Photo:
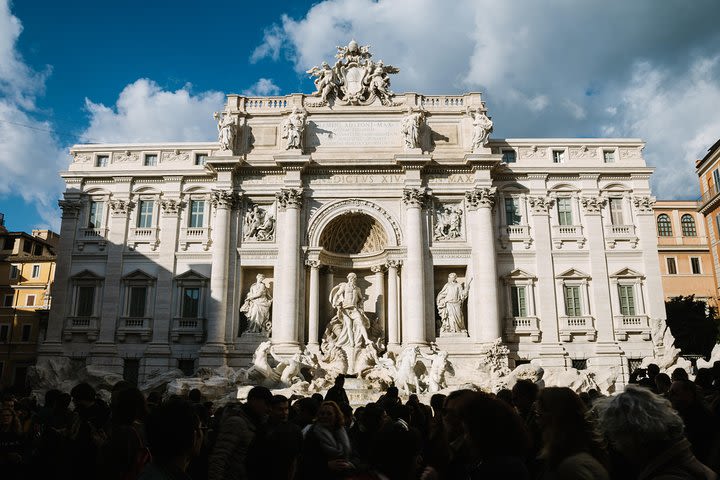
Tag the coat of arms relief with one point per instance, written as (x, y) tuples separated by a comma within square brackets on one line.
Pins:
[(355, 79)]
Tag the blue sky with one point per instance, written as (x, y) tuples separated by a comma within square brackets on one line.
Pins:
[(127, 71)]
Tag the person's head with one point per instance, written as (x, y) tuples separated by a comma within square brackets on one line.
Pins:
[(452, 278), (373, 417), (154, 399), (330, 416), (413, 400), (174, 431), (63, 402), (703, 378), (452, 413), (347, 413), (83, 395), (258, 401), (51, 397), (679, 374), (436, 402), (129, 406), (505, 395), (396, 453), (9, 420), (566, 428), (352, 278), (305, 410), (683, 394), (639, 424), (652, 371), (399, 412), (279, 409), (195, 395), (318, 398), (340, 381), (662, 383), (493, 427), (524, 395), (392, 393)]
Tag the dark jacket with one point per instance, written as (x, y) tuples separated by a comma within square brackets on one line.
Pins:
[(676, 463)]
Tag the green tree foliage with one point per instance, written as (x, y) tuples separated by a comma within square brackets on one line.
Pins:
[(693, 323)]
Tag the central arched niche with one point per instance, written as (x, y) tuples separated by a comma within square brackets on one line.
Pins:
[(353, 233)]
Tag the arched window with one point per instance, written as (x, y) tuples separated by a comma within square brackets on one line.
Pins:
[(688, 226), (664, 226)]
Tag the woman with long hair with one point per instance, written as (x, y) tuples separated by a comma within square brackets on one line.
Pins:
[(571, 447), (326, 450)]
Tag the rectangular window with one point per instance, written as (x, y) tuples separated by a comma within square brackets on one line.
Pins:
[(38, 249), (579, 363), (4, 333), (187, 366), (95, 215), (145, 214), (85, 301), (36, 271), (716, 180), (572, 301), (201, 159), (519, 302), (136, 301), (627, 299), (609, 156), (131, 370), (102, 161), (671, 266), (9, 243), (616, 211), (197, 213), (14, 272), (512, 211), (190, 302), (558, 156), (30, 300), (509, 156), (27, 246), (150, 160), (8, 300), (26, 330), (564, 209), (695, 265)]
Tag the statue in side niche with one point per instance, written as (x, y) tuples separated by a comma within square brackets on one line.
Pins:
[(227, 130), (293, 128), (257, 307), (449, 304), (482, 128)]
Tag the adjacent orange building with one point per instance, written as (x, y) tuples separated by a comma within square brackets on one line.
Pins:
[(686, 265), (27, 270), (708, 170)]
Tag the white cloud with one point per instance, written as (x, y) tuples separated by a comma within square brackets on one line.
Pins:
[(264, 86), (554, 68), (144, 112)]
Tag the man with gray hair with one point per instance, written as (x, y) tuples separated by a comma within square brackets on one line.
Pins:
[(643, 428)]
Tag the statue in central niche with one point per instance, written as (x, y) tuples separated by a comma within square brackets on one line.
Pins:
[(449, 303), (349, 327)]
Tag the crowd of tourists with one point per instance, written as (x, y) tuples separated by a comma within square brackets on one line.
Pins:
[(659, 427)]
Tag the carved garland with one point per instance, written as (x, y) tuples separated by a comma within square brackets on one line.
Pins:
[(320, 218)]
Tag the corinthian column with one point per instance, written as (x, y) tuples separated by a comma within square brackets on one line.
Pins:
[(485, 325), (314, 302), (286, 331), (413, 290), (392, 309), (212, 353)]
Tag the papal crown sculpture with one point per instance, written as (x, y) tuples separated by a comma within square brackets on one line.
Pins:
[(354, 79)]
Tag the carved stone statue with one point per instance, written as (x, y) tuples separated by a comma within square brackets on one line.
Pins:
[(482, 127), (439, 365), (293, 128), (448, 223), (406, 378), (259, 224), (410, 127), (449, 304), (349, 326), (325, 83), (257, 307), (227, 130)]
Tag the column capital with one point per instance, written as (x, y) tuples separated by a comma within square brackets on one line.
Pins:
[(120, 207), (377, 268), (290, 197), (541, 205), (644, 204), (224, 198), (314, 264), (394, 264), (592, 205), (415, 197), (171, 206), (70, 208), (480, 198)]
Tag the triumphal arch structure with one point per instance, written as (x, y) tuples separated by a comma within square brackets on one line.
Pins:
[(354, 217)]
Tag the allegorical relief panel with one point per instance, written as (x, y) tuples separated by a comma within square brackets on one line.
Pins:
[(259, 223), (448, 222)]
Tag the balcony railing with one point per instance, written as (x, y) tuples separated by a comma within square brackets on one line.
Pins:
[(199, 235), (515, 233), (625, 324), (141, 326), (139, 235), (516, 326), (567, 233), (577, 325), (89, 326), (93, 233), (183, 326), (615, 233)]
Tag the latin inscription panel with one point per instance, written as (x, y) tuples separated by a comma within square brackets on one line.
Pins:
[(353, 134)]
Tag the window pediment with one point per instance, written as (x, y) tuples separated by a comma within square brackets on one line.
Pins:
[(191, 275), (627, 273), (138, 275), (87, 275), (573, 274), (519, 274)]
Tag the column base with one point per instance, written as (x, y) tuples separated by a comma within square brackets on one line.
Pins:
[(553, 355), (287, 348)]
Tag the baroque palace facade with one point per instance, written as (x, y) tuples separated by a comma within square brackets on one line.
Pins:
[(190, 254)]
